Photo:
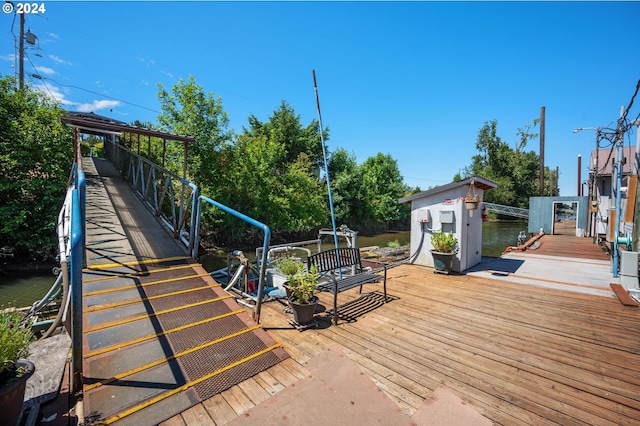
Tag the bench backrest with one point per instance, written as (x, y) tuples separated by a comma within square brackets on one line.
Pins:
[(328, 261)]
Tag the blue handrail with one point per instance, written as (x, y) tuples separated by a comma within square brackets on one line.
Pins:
[(253, 222), (77, 256)]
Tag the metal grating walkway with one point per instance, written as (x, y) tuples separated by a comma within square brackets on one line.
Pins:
[(160, 335)]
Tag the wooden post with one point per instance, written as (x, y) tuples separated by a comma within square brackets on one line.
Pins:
[(579, 175)]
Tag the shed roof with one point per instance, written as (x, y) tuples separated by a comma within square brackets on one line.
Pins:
[(478, 181)]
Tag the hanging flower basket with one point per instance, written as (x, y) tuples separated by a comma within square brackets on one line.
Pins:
[(472, 200), (471, 204)]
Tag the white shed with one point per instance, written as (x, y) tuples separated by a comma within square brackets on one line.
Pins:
[(443, 208)]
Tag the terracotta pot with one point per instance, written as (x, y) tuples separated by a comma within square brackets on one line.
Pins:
[(12, 395)]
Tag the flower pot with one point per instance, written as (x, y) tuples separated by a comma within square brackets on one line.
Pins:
[(442, 262), (287, 289), (12, 395), (471, 205), (303, 312)]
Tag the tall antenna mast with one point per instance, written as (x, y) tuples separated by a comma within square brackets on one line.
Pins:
[(326, 170)]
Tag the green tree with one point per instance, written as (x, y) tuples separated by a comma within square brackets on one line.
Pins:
[(36, 153), (384, 186), (273, 178), (189, 111), (285, 127), (350, 202), (514, 170)]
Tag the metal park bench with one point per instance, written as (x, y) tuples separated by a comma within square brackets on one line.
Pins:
[(327, 263)]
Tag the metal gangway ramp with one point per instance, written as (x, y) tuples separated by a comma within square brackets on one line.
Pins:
[(159, 334), (507, 210)]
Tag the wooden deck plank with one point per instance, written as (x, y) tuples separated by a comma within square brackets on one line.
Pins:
[(519, 354), (237, 399), (471, 363), (269, 383), (197, 416), (219, 409), (254, 391), (174, 421)]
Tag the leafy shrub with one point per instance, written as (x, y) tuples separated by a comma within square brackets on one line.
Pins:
[(15, 337)]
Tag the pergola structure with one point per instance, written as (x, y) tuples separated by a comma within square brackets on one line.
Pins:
[(94, 124)]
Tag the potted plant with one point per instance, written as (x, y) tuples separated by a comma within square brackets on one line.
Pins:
[(15, 337), (445, 246), (288, 266), (302, 285), (472, 200)]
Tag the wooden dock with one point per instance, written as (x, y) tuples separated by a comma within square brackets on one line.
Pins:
[(517, 354)]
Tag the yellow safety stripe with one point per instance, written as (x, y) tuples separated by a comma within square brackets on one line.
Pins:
[(187, 386), (162, 360), (136, 262), (143, 316), (162, 333), (145, 299), (138, 274), (150, 283)]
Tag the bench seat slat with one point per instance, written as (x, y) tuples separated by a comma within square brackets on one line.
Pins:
[(349, 282)]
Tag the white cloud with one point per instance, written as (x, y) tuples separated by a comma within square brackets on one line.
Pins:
[(59, 60), (167, 73), (10, 57), (55, 93), (97, 105), (53, 35), (45, 70)]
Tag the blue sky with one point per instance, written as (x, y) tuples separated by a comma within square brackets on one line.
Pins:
[(415, 80)]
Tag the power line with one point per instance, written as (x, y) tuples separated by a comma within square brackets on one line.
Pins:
[(100, 94)]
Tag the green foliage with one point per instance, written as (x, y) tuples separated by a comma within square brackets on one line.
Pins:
[(384, 186), (272, 170), (444, 242), (189, 111), (350, 202), (85, 149), (515, 171), (15, 338), (289, 266), (98, 150), (285, 128), (261, 184), (36, 152), (393, 244), (303, 283)]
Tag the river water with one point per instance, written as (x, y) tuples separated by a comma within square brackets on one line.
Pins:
[(24, 289)]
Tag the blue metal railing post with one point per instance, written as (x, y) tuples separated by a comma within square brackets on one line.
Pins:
[(265, 244), (76, 289), (82, 188), (195, 222)]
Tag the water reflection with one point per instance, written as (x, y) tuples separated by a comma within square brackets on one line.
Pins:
[(497, 236), (23, 290)]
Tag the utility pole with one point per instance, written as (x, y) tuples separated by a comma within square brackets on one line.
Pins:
[(21, 54), (579, 175)]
